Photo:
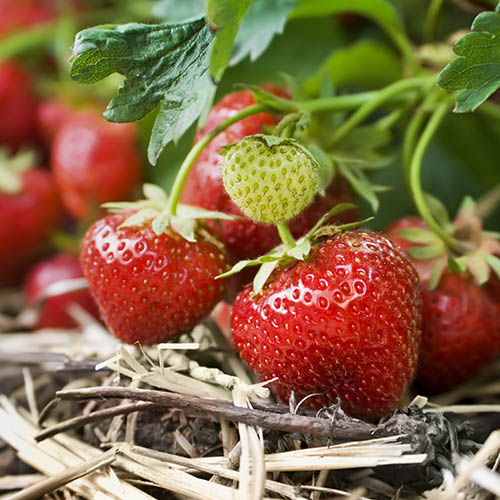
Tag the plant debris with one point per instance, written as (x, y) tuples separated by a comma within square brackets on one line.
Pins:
[(186, 420)]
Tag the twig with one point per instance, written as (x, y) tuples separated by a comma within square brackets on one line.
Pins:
[(75, 423), (53, 483), (211, 408)]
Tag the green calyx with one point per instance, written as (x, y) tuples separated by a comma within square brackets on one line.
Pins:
[(155, 210), (478, 250), (12, 168), (285, 254), (269, 178)]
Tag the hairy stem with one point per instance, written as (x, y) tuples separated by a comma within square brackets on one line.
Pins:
[(188, 162), (415, 171), (285, 234), (382, 96)]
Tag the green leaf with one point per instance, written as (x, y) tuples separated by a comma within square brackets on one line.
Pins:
[(337, 209), (458, 265), (436, 273), (301, 250), (185, 227), (438, 210), (140, 217), (365, 64), (153, 192), (426, 252), (263, 275), (478, 267), (191, 212), (327, 167), (263, 21), (494, 263), (380, 11), (161, 222), (476, 70), (264, 97), (224, 17), (360, 184), (418, 235), (173, 11), (165, 64)]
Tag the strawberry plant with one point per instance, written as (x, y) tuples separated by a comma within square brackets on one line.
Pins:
[(271, 155), (335, 117), (276, 140)]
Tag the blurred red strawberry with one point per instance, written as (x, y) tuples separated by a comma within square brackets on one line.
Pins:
[(54, 311), (18, 106)]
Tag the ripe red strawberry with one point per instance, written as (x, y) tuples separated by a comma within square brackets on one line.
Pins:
[(17, 106), (245, 239), (150, 287), (26, 219), (54, 311), (94, 162), (461, 325), (461, 333), (343, 323)]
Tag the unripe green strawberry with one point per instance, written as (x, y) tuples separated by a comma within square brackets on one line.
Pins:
[(270, 179)]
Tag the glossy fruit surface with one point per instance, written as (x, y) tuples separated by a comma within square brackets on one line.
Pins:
[(18, 107), (344, 323), (150, 287), (461, 324), (461, 333), (94, 162), (54, 311), (26, 219), (244, 238)]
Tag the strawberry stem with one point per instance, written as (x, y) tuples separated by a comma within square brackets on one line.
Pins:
[(285, 235), (382, 96), (180, 179), (415, 173), (414, 128)]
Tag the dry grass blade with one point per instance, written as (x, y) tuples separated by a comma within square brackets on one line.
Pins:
[(158, 458), (53, 457), (18, 482), (63, 478), (485, 455)]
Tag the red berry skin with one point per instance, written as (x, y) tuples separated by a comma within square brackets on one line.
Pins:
[(51, 115), (461, 321), (245, 239), (17, 15), (94, 162), (461, 333), (344, 323), (148, 287), (54, 311), (26, 220), (18, 106)]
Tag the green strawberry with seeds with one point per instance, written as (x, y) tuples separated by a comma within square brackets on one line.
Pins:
[(269, 178)]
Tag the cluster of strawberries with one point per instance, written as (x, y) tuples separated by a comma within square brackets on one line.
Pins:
[(90, 161), (351, 319), (334, 312)]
